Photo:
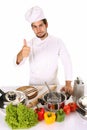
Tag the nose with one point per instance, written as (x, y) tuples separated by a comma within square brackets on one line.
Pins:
[(38, 29)]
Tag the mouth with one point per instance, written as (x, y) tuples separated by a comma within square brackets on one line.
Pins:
[(40, 33)]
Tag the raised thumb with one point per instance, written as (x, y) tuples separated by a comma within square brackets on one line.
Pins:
[(25, 42)]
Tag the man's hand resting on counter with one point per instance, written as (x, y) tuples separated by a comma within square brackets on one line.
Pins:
[(67, 88)]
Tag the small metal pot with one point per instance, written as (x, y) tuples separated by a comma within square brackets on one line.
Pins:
[(81, 108), (14, 97), (54, 103)]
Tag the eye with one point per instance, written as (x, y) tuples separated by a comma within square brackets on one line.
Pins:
[(41, 25), (34, 27)]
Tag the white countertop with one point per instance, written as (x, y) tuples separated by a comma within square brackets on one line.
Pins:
[(73, 121)]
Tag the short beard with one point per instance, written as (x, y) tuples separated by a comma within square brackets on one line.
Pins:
[(42, 35)]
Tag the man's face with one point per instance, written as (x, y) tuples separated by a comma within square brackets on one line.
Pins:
[(40, 29)]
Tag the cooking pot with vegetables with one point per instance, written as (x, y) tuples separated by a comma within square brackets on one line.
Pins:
[(55, 101), (14, 97)]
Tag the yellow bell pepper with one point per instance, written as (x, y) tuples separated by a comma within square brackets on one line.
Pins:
[(49, 117)]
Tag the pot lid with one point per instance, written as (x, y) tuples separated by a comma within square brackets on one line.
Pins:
[(82, 102)]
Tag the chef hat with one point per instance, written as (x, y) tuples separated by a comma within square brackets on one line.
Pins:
[(34, 14)]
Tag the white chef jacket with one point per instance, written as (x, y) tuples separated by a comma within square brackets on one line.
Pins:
[(43, 60)]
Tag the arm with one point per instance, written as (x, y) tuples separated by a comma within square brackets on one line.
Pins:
[(66, 61), (23, 53), (19, 57)]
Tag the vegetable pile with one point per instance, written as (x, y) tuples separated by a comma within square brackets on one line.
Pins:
[(20, 116)]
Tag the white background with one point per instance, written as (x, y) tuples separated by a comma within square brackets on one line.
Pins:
[(67, 20)]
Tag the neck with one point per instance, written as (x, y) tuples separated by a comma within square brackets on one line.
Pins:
[(44, 36)]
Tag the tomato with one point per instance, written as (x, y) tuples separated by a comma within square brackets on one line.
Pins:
[(73, 106), (66, 109), (40, 112)]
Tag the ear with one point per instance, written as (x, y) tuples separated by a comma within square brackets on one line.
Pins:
[(46, 25)]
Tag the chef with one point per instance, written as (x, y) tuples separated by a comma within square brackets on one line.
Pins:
[(44, 51)]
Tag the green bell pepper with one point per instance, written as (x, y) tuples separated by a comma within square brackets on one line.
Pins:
[(60, 115)]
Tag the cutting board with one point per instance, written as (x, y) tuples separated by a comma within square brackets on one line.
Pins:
[(30, 91)]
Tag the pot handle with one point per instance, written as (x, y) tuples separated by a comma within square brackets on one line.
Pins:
[(41, 101), (1, 92), (81, 111), (67, 95)]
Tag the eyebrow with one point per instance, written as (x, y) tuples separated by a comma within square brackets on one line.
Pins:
[(37, 25)]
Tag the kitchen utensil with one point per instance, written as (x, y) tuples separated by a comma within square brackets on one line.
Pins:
[(82, 108), (54, 105), (52, 97), (42, 92), (78, 89), (30, 91), (50, 93), (14, 97)]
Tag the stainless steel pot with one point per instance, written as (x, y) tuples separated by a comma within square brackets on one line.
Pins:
[(55, 102), (14, 97), (82, 107)]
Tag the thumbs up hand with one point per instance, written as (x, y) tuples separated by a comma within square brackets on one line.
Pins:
[(25, 50), (25, 42)]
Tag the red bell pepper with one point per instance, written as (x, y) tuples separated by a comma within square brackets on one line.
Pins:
[(40, 112)]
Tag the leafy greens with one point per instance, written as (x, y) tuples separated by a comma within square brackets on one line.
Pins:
[(20, 116)]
